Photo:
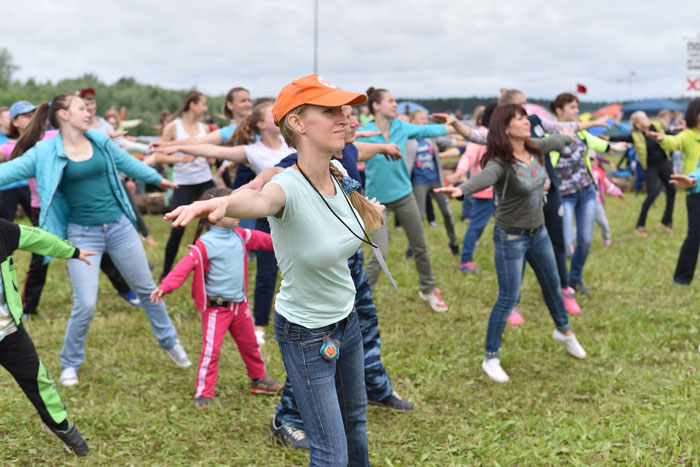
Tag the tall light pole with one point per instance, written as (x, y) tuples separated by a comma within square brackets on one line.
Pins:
[(315, 36)]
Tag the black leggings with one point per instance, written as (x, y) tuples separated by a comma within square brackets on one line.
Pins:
[(655, 176), (9, 199), (186, 194), (688, 257), (19, 357)]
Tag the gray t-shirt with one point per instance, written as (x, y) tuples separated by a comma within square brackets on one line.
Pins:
[(518, 188)]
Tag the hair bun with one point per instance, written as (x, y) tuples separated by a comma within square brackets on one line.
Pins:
[(370, 90)]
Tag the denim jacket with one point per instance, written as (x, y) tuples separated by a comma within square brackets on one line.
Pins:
[(47, 160)]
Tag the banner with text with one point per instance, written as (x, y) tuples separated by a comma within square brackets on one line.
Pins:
[(692, 69)]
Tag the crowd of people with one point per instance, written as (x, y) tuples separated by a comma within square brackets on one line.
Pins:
[(304, 180)]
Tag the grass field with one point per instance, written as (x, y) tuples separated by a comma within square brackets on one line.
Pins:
[(634, 400)]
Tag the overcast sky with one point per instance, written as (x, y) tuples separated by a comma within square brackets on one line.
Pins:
[(415, 48)]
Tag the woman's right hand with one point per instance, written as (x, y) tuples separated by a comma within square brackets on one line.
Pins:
[(84, 256), (169, 149), (452, 191), (156, 295), (213, 209), (658, 137)]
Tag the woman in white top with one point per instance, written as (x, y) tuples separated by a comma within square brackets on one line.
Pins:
[(315, 229), (258, 143), (192, 178)]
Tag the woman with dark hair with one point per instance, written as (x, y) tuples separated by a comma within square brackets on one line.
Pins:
[(83, 200), (20, 114), (192, 178), (573, 166), (687, 141), (514, 165)]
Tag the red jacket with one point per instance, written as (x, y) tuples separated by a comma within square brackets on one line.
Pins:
[(199, 261)]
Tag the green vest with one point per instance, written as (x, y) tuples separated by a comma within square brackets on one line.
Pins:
[(640, 144)]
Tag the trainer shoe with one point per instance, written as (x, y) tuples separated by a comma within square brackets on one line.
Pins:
[(288, 435), (607, 242), (393, 402), (260, 337), (641, 232), (454, 248), (434, 224), (131, 297), (409, 253), (202, 403), (494, 371), (668, 228), (69, 377), (468, 267), (515, 318), (568, 295), (571, 344), (72, 440), (179, 356), (265, 385), (435, 300), (582, 289)]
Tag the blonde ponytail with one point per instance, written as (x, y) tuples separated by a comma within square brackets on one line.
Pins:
[(369, 215)]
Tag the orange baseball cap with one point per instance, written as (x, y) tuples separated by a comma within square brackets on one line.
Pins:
[(315, 90)]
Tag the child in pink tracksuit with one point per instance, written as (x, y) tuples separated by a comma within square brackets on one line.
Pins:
[(220, 292), (603, 187)]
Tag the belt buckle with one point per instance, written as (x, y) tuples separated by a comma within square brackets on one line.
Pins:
[(533, 231)]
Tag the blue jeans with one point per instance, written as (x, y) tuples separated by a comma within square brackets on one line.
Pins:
[(482, 210), (377, 382), (582, 205), (122, 242), (265, 279), (331, 395), (510, 254), (466, 208)]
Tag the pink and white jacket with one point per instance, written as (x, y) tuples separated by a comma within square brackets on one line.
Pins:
[(471, 161), (198, 260), (603, 185)]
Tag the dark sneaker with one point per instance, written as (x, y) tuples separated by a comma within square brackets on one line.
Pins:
[(203, 403), (289, 436), (409, 253), (580, 288), (131, 297), (265, 385), (393, 402), (72, 440), (454, 248)]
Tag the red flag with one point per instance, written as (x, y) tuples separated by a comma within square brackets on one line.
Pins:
[(581, 89), (633, 74)]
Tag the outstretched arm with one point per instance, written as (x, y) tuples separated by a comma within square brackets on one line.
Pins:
[(244, 204), (212, 138), (366, 151), (230, 153)]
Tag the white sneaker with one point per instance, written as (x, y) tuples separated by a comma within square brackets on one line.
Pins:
[(571, 344), (260, 336), (494, 371), (179, 356), (435, 300), (69, 377)]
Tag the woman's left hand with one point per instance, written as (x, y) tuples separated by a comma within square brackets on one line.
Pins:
[(683, 181), (442, 118), (451, 191), (379, 207), (166, 184), (212, 209)]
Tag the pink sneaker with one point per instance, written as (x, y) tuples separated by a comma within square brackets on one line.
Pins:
[(570, 301), (607, 242), (435, 300), (514, 317)]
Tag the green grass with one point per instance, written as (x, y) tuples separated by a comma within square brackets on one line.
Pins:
[(634, 400)]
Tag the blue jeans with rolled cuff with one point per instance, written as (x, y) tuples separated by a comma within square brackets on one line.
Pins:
[(511, 251), (580, 204)]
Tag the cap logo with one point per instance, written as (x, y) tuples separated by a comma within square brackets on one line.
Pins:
[(325, 82)]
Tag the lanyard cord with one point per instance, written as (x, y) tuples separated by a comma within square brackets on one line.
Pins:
[(366, 238)]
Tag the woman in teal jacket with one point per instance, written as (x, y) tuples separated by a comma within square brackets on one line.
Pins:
[(83, 200), (390, 183)]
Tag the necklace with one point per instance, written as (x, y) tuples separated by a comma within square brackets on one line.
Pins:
[(364, 239)]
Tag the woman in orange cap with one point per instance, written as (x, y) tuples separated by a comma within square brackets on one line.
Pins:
[(317, 222)]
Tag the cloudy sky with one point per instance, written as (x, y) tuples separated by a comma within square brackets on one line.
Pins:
[(415, 48)]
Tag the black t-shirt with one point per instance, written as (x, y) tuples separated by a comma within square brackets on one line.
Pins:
[(349, 161)]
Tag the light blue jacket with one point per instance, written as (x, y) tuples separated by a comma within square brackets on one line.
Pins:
[(389, 181), (46, 162)]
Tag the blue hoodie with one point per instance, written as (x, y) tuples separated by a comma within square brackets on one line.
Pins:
[(46, 162), (389, 181)]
